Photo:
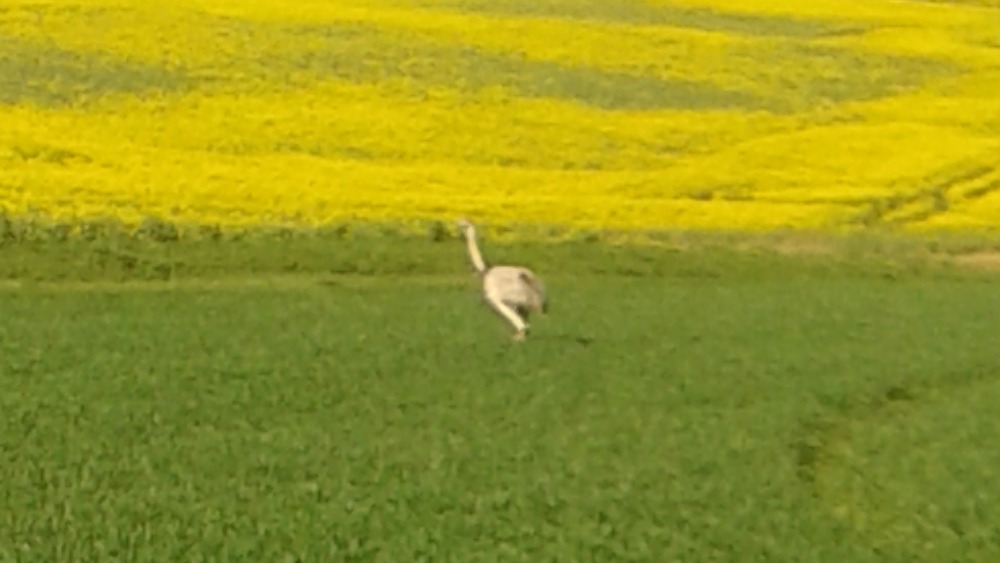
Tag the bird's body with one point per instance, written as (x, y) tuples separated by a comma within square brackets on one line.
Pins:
[(517, 286), (512, 291)]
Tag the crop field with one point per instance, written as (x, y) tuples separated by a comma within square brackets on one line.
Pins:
[(238, 326), (815, 114), (734, 408)]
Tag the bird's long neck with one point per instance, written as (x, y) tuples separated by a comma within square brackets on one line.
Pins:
[(474, 254)]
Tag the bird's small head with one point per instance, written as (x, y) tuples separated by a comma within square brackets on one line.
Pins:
[(464, 225)]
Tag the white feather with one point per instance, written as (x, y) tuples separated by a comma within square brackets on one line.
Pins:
[(513, 291)]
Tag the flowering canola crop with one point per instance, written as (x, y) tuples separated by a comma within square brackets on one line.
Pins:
[(584, 114)]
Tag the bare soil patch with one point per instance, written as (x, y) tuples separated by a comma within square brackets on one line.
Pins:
[(986, 260)]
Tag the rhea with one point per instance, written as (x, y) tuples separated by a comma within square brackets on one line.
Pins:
[(512, 291)]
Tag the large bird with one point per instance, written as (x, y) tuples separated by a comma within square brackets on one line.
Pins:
[(512, 291)]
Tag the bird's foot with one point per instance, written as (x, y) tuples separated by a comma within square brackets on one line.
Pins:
[(519, 335)]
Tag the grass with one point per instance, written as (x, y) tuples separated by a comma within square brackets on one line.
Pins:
[(39, 250), (694, 405)]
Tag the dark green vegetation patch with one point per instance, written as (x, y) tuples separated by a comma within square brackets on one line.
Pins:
[(367, 54), (636, 12), (46, 75), (818, 74), (795, 74)]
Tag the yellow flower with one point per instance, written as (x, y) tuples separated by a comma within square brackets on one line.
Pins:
[(805, 114)]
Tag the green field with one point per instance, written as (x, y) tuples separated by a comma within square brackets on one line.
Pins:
[(696, 405)]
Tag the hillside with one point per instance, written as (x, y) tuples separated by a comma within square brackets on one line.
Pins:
[(577, 113)]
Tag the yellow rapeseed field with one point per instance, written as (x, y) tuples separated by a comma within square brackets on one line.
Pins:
[(637, 114)]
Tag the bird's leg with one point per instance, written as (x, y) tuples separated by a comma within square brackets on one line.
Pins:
[(519, 325)]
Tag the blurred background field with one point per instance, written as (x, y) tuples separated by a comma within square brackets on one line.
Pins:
[(625, 115)]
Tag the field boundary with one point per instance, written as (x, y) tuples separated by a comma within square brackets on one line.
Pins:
[(277, 282), (160, 255), (987, 262)]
